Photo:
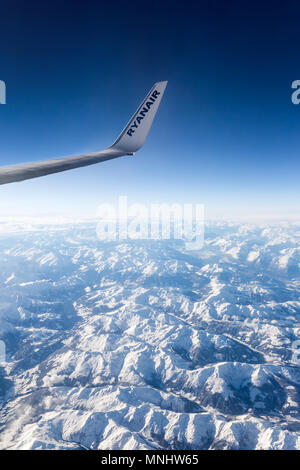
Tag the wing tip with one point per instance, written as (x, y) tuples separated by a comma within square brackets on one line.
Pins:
[(162, 82)]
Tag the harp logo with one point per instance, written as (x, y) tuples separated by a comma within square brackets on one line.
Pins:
[(142, 113), (2, 92)]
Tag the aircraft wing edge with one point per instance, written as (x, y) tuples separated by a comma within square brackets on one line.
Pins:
[(24, 171)]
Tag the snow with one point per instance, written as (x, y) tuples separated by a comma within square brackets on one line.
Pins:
[(143, 345)]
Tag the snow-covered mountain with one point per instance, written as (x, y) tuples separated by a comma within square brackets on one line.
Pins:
[(144, 345)]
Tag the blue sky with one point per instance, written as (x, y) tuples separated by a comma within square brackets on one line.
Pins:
[(226, 135)]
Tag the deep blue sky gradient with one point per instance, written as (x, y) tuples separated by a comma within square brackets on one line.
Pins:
[(226, 134)]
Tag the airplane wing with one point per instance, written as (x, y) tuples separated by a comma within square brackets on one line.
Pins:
[(129, 141)]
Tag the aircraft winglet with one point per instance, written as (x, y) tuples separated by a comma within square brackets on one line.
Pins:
[(132, 138)]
